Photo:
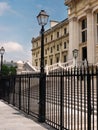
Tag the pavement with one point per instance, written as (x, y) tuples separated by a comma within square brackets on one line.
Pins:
[(13, 119)]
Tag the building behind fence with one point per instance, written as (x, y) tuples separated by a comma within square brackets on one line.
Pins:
[(71, 97)]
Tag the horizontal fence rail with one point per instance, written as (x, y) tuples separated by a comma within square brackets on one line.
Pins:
[(23, 92), (71, 97)]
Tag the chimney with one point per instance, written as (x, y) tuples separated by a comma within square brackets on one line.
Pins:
[(53, 23)]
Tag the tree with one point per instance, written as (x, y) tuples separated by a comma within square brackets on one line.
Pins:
[(8, 70)]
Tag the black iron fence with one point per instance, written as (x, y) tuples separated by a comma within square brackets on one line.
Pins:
[(71, 97), (23, 92)]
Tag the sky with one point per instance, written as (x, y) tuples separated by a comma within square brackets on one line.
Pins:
[(18, 24)]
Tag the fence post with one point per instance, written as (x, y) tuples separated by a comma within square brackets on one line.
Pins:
[(89, 98), (42, 97), (14, 91), (8, 91), (29, 96), (19, 93), (62, 102)]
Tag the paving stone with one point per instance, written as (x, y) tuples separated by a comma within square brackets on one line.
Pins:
[(12, 119)]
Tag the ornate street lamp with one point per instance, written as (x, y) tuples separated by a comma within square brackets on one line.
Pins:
[(2, 50), (75, 55), (42, 20)]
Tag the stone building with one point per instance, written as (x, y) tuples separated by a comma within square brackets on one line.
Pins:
[(79, 31), (83, 29), (56, 41)]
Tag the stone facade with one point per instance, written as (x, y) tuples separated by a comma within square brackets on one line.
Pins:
[(83, 29), (56, 42), (79, 31)]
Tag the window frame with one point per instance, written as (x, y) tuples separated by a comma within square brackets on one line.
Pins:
[(58, 34), (65, 57), (51, 49), (65, 31), (65, 45), (58, 48), (51, 61), (84, 30), (57, 59)]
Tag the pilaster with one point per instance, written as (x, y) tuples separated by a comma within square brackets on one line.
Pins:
[(73, 36), (90, 37)]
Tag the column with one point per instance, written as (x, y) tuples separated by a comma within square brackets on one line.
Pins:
[(73, 36), (90, 37)]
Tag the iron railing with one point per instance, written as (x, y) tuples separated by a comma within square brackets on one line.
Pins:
[(23, 92), (71, 97)]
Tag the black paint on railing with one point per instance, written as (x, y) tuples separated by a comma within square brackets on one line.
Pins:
[(68, 99)]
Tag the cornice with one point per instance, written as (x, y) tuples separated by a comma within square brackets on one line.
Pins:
[(68, 2), (59, 25), (88, 9), (74, 18)]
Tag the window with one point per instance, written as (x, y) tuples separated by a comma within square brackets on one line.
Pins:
[(84, 23), (51, 50), (37, 44), (45, 62), (57, 59), (57, 47), (57, 34), (51, 37), (46, 52), (84, 30), (65, 31), (64, 45), (36, 63), (36, 54), (65, 58), (51, 61), (46, 39)]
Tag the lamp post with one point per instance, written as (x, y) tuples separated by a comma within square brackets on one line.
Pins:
[(75, 55), (2, 50), (42, 20)]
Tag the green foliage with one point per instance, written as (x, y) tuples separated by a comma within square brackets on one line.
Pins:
[(8, 70), (12, 70), (5, 70)]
